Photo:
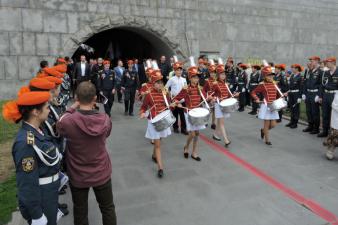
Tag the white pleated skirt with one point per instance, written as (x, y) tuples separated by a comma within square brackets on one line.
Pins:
[(219, 113), (191, 127), (153, 134), (266, 114)]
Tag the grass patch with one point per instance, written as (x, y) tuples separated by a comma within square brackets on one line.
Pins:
[(8, 199), (7, 130)]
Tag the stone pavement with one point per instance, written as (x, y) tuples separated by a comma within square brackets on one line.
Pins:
[(216, 190)]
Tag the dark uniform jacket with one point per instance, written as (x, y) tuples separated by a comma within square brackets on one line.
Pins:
[(107, 80), (295, 83), (329, 82), (130, 83), (312, 80)]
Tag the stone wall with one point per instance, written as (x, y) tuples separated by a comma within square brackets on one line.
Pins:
[(278, 30)]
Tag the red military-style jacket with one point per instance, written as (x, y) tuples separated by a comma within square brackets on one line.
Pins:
[(221, 90), (268, 90), (154, 101), (145, 88), (191, 95), (207, 88)]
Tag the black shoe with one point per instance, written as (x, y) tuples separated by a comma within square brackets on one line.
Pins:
[(196, 158), (262, 133), (323, 134), (62, 206), (213, 126), (176, 131), (215, 138), (131, 114), (186, 154), (227, 144), (315, 131), (293, 126), (154, 159), (308, 129), (126, 113), (279, 121), (184, 132), (252, 113), (240, 109), (288, 125), (268, 143), (160, 173)]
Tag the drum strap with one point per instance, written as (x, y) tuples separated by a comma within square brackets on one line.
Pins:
[(165, 99), (205, 101)]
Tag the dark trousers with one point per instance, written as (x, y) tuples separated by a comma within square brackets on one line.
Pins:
[(179, 112), (326, 110), (104, 197), (109, 105), (118, 92), (242, 99), (294, 107), (247, 98), (312, 111), (129, 101)]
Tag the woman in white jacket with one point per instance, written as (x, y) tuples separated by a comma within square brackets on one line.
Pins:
[(332, 140)]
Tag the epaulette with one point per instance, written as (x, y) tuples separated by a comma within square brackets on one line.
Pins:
[(144, 84), (262, 82), (30, 138)]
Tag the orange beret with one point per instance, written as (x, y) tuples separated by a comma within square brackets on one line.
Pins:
[(55, 80), (266, 71), (42, 83), (220, 68), (62, 68), (243, 66), (317, 58), (280, 66), (61, 60), (330, 59), (297, 66), (177, 65), (33, 98), (53, 72), (10, 112), (130, 62), (105, 62), (41, 74), (192, 71), (23, 90)]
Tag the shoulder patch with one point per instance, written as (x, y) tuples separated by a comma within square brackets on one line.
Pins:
[(30, 138), (28, 164)]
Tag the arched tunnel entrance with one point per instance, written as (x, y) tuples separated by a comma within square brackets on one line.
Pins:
[(124, 43)]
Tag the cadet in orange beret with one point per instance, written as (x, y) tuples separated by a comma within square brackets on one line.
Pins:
[(36, 158), (255, 79)]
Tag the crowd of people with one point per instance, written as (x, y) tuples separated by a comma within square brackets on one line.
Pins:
[(60, 142)]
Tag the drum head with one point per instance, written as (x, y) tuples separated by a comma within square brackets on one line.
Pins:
[(198, 112), (228, 102), (160, 116)]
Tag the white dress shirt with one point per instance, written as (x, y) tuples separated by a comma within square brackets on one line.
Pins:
[(83, 69), (176, 84)]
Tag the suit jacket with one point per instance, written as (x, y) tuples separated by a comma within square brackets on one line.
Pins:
[(118, 75), (78, 72)]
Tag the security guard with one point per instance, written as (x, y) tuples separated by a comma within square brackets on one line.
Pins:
[(107, 86), (36, 158), (282, 83), (310, 90), (129, 86), (329, 84), (241, 81), (255, 79), (295, 94)]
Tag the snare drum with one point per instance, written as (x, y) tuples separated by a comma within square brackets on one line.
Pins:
[(228, 105), (163, 120), (198, 116), (278, 104)]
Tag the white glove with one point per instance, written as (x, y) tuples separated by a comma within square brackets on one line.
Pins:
[(299, 100), (231, 86), (243, 89), (59, 215), (317, 98), (303, 97), (41, 221)]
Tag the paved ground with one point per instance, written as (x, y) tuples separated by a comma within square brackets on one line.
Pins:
[(216, 190)]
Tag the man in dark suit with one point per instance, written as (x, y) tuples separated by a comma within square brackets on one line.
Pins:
[(82, 70), (165, 69), (139, 69)]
